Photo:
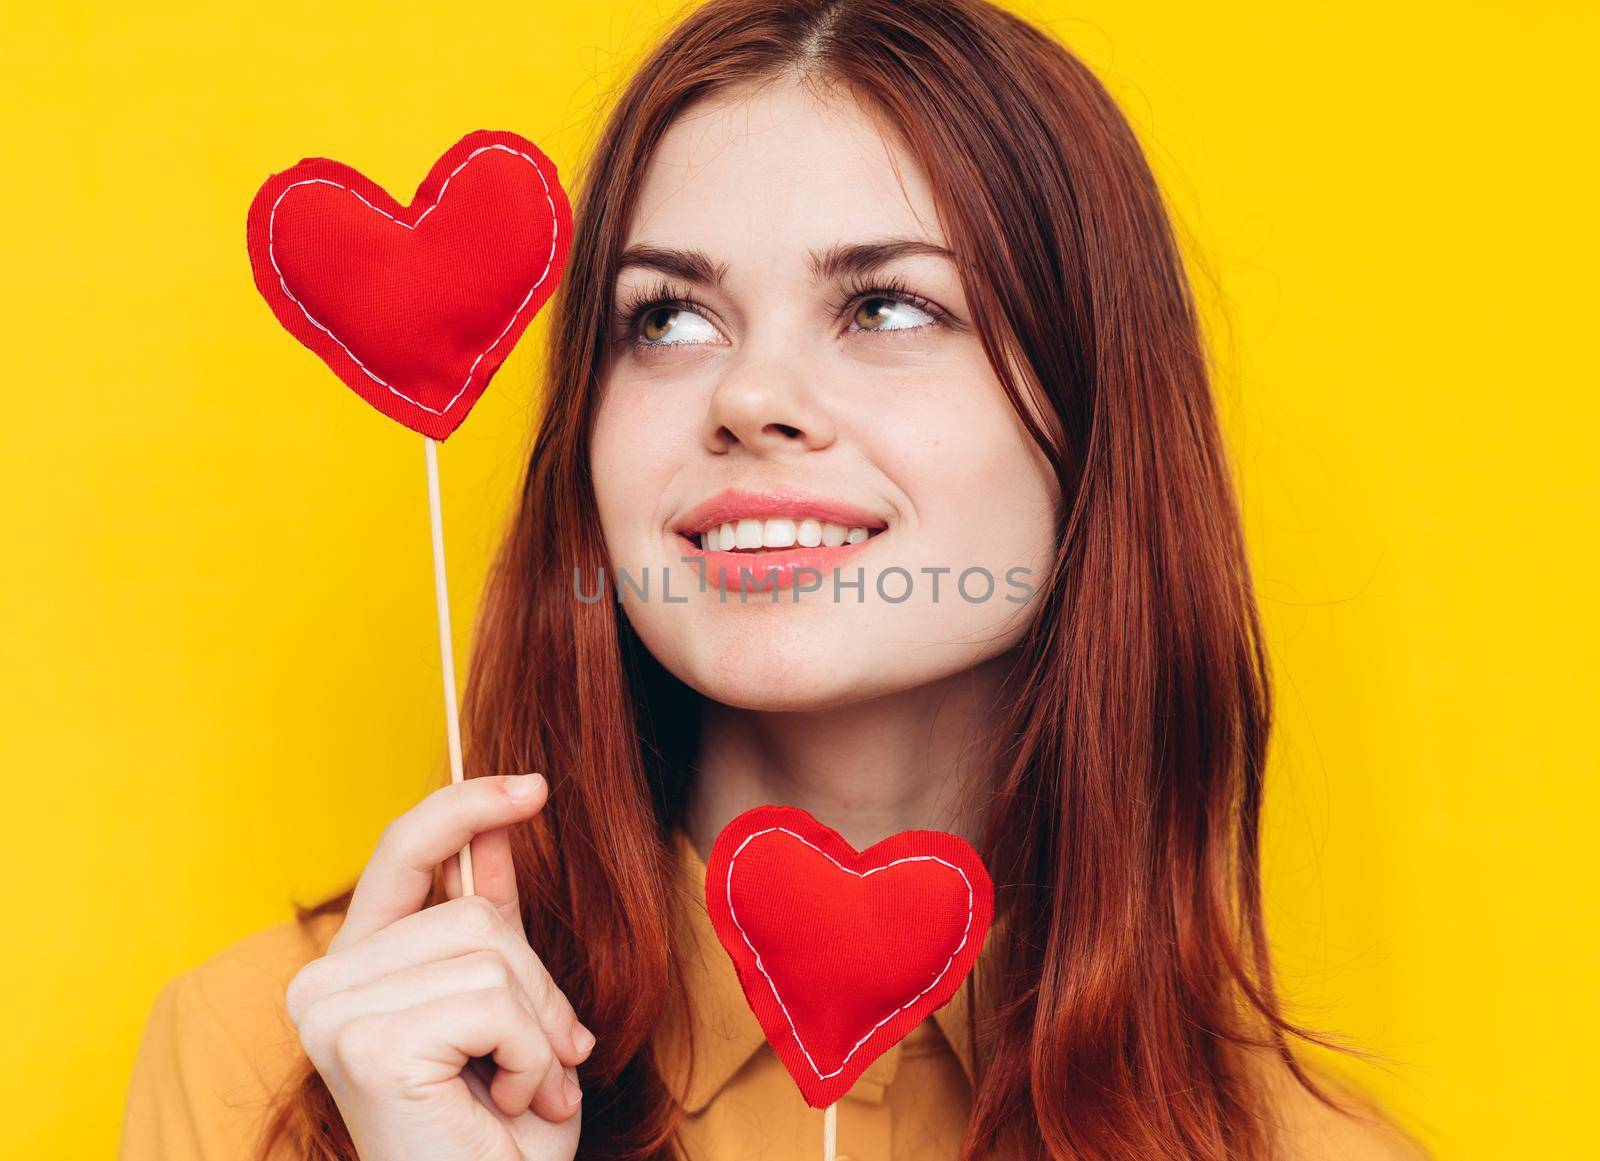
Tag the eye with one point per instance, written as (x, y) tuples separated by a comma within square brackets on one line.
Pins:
[(879, 313), (659, 317), (663, 326), (887, 305)]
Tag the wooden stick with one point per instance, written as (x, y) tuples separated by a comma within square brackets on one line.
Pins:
[(447, 656), (830, 1131)]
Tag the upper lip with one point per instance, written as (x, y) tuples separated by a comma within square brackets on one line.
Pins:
[(733, 504)]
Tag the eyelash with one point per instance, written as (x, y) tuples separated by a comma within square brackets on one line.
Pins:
[(630, 311)]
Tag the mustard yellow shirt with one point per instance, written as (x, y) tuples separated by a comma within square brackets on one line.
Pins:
[(218, 1046)]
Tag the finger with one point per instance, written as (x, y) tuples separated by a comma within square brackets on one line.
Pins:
[(399, 875), (320, 1021), (493, 874), (535, 1136), (555, 1098), (434, 1041), (457, 928)]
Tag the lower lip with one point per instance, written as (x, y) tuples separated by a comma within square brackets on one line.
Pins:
[(763, 571)]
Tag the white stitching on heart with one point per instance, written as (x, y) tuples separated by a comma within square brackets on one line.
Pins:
[(860, 875), (555, 227)]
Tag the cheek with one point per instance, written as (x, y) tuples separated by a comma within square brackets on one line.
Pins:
[(630, 458), (982, 492), (607, 451)]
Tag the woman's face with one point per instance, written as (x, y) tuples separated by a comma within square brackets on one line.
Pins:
[(796, 367)]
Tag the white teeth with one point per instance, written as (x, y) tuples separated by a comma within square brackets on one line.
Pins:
[(777, 533)]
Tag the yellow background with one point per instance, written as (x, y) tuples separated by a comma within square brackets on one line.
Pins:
[(220, 663)]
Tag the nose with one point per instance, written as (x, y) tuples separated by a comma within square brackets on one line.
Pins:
[(768, 410)]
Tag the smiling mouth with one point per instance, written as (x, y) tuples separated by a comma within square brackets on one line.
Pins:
[(756, 537)]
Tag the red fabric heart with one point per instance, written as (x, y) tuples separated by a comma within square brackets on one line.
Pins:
[(841, 953), (414, 307)]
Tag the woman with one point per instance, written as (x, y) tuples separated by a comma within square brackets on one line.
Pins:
[(891, 282)]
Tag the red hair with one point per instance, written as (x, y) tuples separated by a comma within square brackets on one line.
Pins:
[(1135, 993)]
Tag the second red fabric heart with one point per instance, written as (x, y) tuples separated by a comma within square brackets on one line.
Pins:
[(841, 953)]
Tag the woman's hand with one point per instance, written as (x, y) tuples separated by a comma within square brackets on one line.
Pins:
[(397, 1013)]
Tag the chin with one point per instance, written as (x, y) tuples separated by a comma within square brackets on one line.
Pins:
[(790, 658), (759, 675)]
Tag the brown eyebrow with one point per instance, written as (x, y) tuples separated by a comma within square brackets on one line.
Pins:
[(838, 261), (689, 265), (844, 260)]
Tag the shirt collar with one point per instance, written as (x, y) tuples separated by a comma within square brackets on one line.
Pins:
[(698, 1052)]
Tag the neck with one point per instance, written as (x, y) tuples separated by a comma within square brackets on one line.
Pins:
[(905, 761)]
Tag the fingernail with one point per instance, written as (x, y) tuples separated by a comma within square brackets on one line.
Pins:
[(574, 1093), (582, 1038), (521, 787)]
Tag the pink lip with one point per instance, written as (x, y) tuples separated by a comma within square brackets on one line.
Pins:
[(759, 572), (731, 504)]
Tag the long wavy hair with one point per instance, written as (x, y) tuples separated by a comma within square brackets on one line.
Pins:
[(1127, 772)]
